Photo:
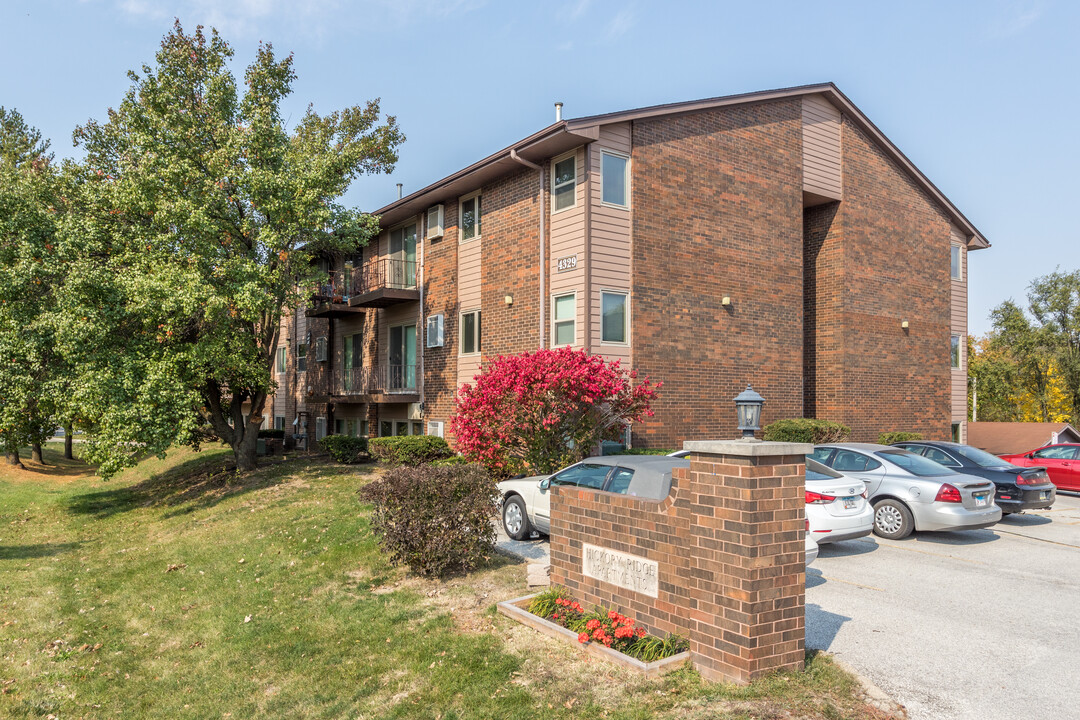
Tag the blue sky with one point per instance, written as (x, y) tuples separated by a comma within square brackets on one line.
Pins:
[(982, 96)]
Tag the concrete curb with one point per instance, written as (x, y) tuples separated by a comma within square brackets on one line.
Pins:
[(875, 696)]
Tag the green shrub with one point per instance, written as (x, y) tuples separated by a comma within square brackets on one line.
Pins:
[(807, 430), (275, 434), (640, 451), (888, 438), (450, 461), (409, 449), (434, 519), (346, 449)]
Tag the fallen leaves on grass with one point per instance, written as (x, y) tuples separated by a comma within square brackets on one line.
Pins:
[(174, 568)]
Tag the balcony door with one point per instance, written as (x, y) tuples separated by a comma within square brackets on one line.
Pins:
[(403, 257), (353, 361), (402, 357)]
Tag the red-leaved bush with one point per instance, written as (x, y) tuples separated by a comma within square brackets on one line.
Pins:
[(540, 411)]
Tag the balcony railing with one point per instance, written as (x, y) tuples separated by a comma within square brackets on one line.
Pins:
[(376, 379), (384, 274)]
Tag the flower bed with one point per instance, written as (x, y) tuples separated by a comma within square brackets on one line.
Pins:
[(605, 627)]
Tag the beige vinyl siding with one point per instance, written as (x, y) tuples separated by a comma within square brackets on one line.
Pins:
[(609, 244), (568, 238), (470, 256), (959, 311), (821, 147)]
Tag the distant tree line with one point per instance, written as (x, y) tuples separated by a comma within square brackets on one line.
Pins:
[(1028, 367), (142, 289)]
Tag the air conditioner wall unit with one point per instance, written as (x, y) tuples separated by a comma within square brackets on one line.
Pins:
[(435, 222)]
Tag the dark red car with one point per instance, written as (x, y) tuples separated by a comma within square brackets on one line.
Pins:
[(1062, 463)]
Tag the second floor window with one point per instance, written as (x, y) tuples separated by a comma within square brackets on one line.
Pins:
[(563, 184), (470, 218), (613, 320), (954, 265), (615, 179), (955, 350), (282, 358), (470, 332), (301, 357)]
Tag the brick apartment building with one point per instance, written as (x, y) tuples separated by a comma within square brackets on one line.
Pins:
[(776, 238)]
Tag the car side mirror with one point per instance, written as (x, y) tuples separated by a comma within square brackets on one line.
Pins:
[(1031, 456), (544, 484)]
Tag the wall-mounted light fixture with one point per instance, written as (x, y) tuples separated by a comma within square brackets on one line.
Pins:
[(509, 299), (904, 324), (725, 301)]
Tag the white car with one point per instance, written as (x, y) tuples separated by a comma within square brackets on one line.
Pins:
[(811, 546), (836, 505)]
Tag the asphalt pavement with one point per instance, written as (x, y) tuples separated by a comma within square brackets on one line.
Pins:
[(977, 624)]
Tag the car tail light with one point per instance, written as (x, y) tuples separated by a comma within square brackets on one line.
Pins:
[(807, 524), (948, 493), (1021, 480), (864, 494), (813, 498)]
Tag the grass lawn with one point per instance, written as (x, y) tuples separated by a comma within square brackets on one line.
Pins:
[(179, 590)]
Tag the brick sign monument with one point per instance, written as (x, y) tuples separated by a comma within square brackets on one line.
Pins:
[(721, 560)]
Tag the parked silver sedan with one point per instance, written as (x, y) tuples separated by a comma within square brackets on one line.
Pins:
[(910, 492)]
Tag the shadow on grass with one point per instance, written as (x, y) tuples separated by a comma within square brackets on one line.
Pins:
[(192, 485), (28, 552)]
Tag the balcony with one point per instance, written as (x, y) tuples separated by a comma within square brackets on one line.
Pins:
[(377, 383), (331, 299), (382, 283)]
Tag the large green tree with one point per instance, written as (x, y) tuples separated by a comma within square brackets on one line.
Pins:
[(205, 213), (29, 276)]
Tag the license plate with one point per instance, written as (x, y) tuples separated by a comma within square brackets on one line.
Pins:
[(849, 503), (982, 500)]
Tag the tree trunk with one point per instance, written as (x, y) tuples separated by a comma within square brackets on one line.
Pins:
[(67, 443), (245, 450), (35, 453), (13, 459)]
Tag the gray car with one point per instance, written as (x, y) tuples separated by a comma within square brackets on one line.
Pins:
[(910, 492), (527, 507)]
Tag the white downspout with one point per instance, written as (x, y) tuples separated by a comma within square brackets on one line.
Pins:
[(543, 264)]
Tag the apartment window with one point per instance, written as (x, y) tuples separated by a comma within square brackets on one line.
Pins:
[(956, 432), (435, 427), (282, 358), (470, 332), (320, 349), (386, 428), (955, 268), (564, 184), (564, 319), (418, 428), (434, 331), (320, 428), (955, 351), (613, 317), (339, 427), (615, 179), (470, 218), (401, 427), (363, 428), (279, 422), (301, 357)]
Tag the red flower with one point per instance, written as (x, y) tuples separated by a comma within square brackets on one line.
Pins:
[(592, 624), (583, 637), (612, 615), (641, 632)]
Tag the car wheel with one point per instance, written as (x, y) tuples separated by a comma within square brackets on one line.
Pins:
[(515, 519), (892, 520)]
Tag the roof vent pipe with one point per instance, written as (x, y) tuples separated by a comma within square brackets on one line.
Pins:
[(399, 191), (558, 112)]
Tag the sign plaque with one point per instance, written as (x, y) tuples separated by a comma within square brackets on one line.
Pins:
[(565, 264), (618, 568)]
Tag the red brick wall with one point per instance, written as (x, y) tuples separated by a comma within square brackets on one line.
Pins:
[(717, 210), (893, 265), (440, 296), (729, 542)]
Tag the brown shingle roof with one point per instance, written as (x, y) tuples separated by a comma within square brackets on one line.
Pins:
[(1008, 438)]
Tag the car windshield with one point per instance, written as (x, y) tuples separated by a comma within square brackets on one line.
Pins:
[(914, 464), (981, 457)]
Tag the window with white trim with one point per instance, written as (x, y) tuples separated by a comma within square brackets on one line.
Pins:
[(564, 183), (470, 218), (955, 351), (614, 179), (470, 332), (320, 428), (301, 357), (435, 427), (564, 319), (279, 422), (282, 358), (955, 266), (613, 317), (434, 334)]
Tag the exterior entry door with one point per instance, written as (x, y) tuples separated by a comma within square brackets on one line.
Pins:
[(403, 357), (403, 257)]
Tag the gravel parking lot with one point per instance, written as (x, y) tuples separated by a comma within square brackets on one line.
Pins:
[(979, 624)]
